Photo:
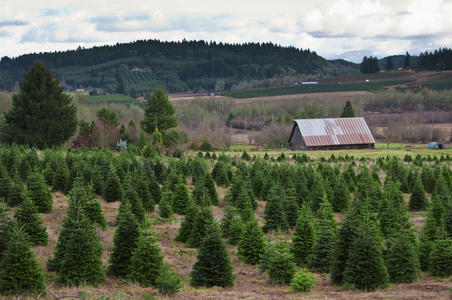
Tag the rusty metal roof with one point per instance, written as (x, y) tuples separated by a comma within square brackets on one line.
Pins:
[(339, 131)]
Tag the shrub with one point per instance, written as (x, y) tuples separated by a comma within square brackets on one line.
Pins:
[(167, 282), (205, 146), (302, 281)]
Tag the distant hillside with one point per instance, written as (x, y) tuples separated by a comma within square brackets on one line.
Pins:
[(139, 67), (398, 60)]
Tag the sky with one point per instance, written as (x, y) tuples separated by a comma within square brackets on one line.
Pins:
[(347, 29)]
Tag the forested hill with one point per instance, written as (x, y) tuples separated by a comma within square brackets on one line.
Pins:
[(139, 67)]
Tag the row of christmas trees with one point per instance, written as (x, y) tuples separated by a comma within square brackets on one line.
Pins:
[(301, 196)]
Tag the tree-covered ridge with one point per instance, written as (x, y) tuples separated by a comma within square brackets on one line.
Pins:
[(173, 66)]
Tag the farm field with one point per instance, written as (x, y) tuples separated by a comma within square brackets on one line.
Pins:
[(250, 282)]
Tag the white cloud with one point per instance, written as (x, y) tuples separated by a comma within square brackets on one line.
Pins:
[(329, 27)]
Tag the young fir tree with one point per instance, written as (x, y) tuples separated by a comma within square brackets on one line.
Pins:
[(147, 259), (124, 242), (236, 228), (112, 189), (5, 183), (341, 195), (274, 216), (211, 187), (15, 190), (19, 270), (392, 192), (141, 184), (188, 222), (84, 193), (39, 192), (304, 236), (154, 188), (280, 264), (213, 264), (317, 193), (165, 205), (131, 196), (402, 259), (28, 218), (430, 232), (321, 255), (418, 200), (441, 257), (365, 269), (348, 110), (6, 228), (290, 206), (202, 221), (181, 199), (358, 214), (229, 213), (251, 246), (81, 263)]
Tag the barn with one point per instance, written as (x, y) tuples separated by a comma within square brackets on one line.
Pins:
[(331, 134)]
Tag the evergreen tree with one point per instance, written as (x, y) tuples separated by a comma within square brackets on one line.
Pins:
[(229, 213), (15, 190), (187, 224), (142, 188), (365, 269), (39, 192), (112, 189), (5, 183), (124, 242), (290, 206), (389, 64), (304, 236), (154, 188), (213, 264), (359, 213), (82, 263), (6, 228), (131, 196), (281, 267), (235, 231), (317, 193), (418, 200), (341, 195), (251, 246), (41, 115), (402, 260), (441, 257), (202, 221), (147, 259), (19, 269), (348, 110), (211, 188), (321, 255), (159, 113), (84, 193), (181, 199), (165, 206), (274, 216), (28, 218)]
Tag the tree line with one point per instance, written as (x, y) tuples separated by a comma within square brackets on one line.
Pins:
[(179, 66)]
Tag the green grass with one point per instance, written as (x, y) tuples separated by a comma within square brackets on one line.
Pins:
[(318, 88)]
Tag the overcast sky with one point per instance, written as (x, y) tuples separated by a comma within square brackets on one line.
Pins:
[(346, 29)]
